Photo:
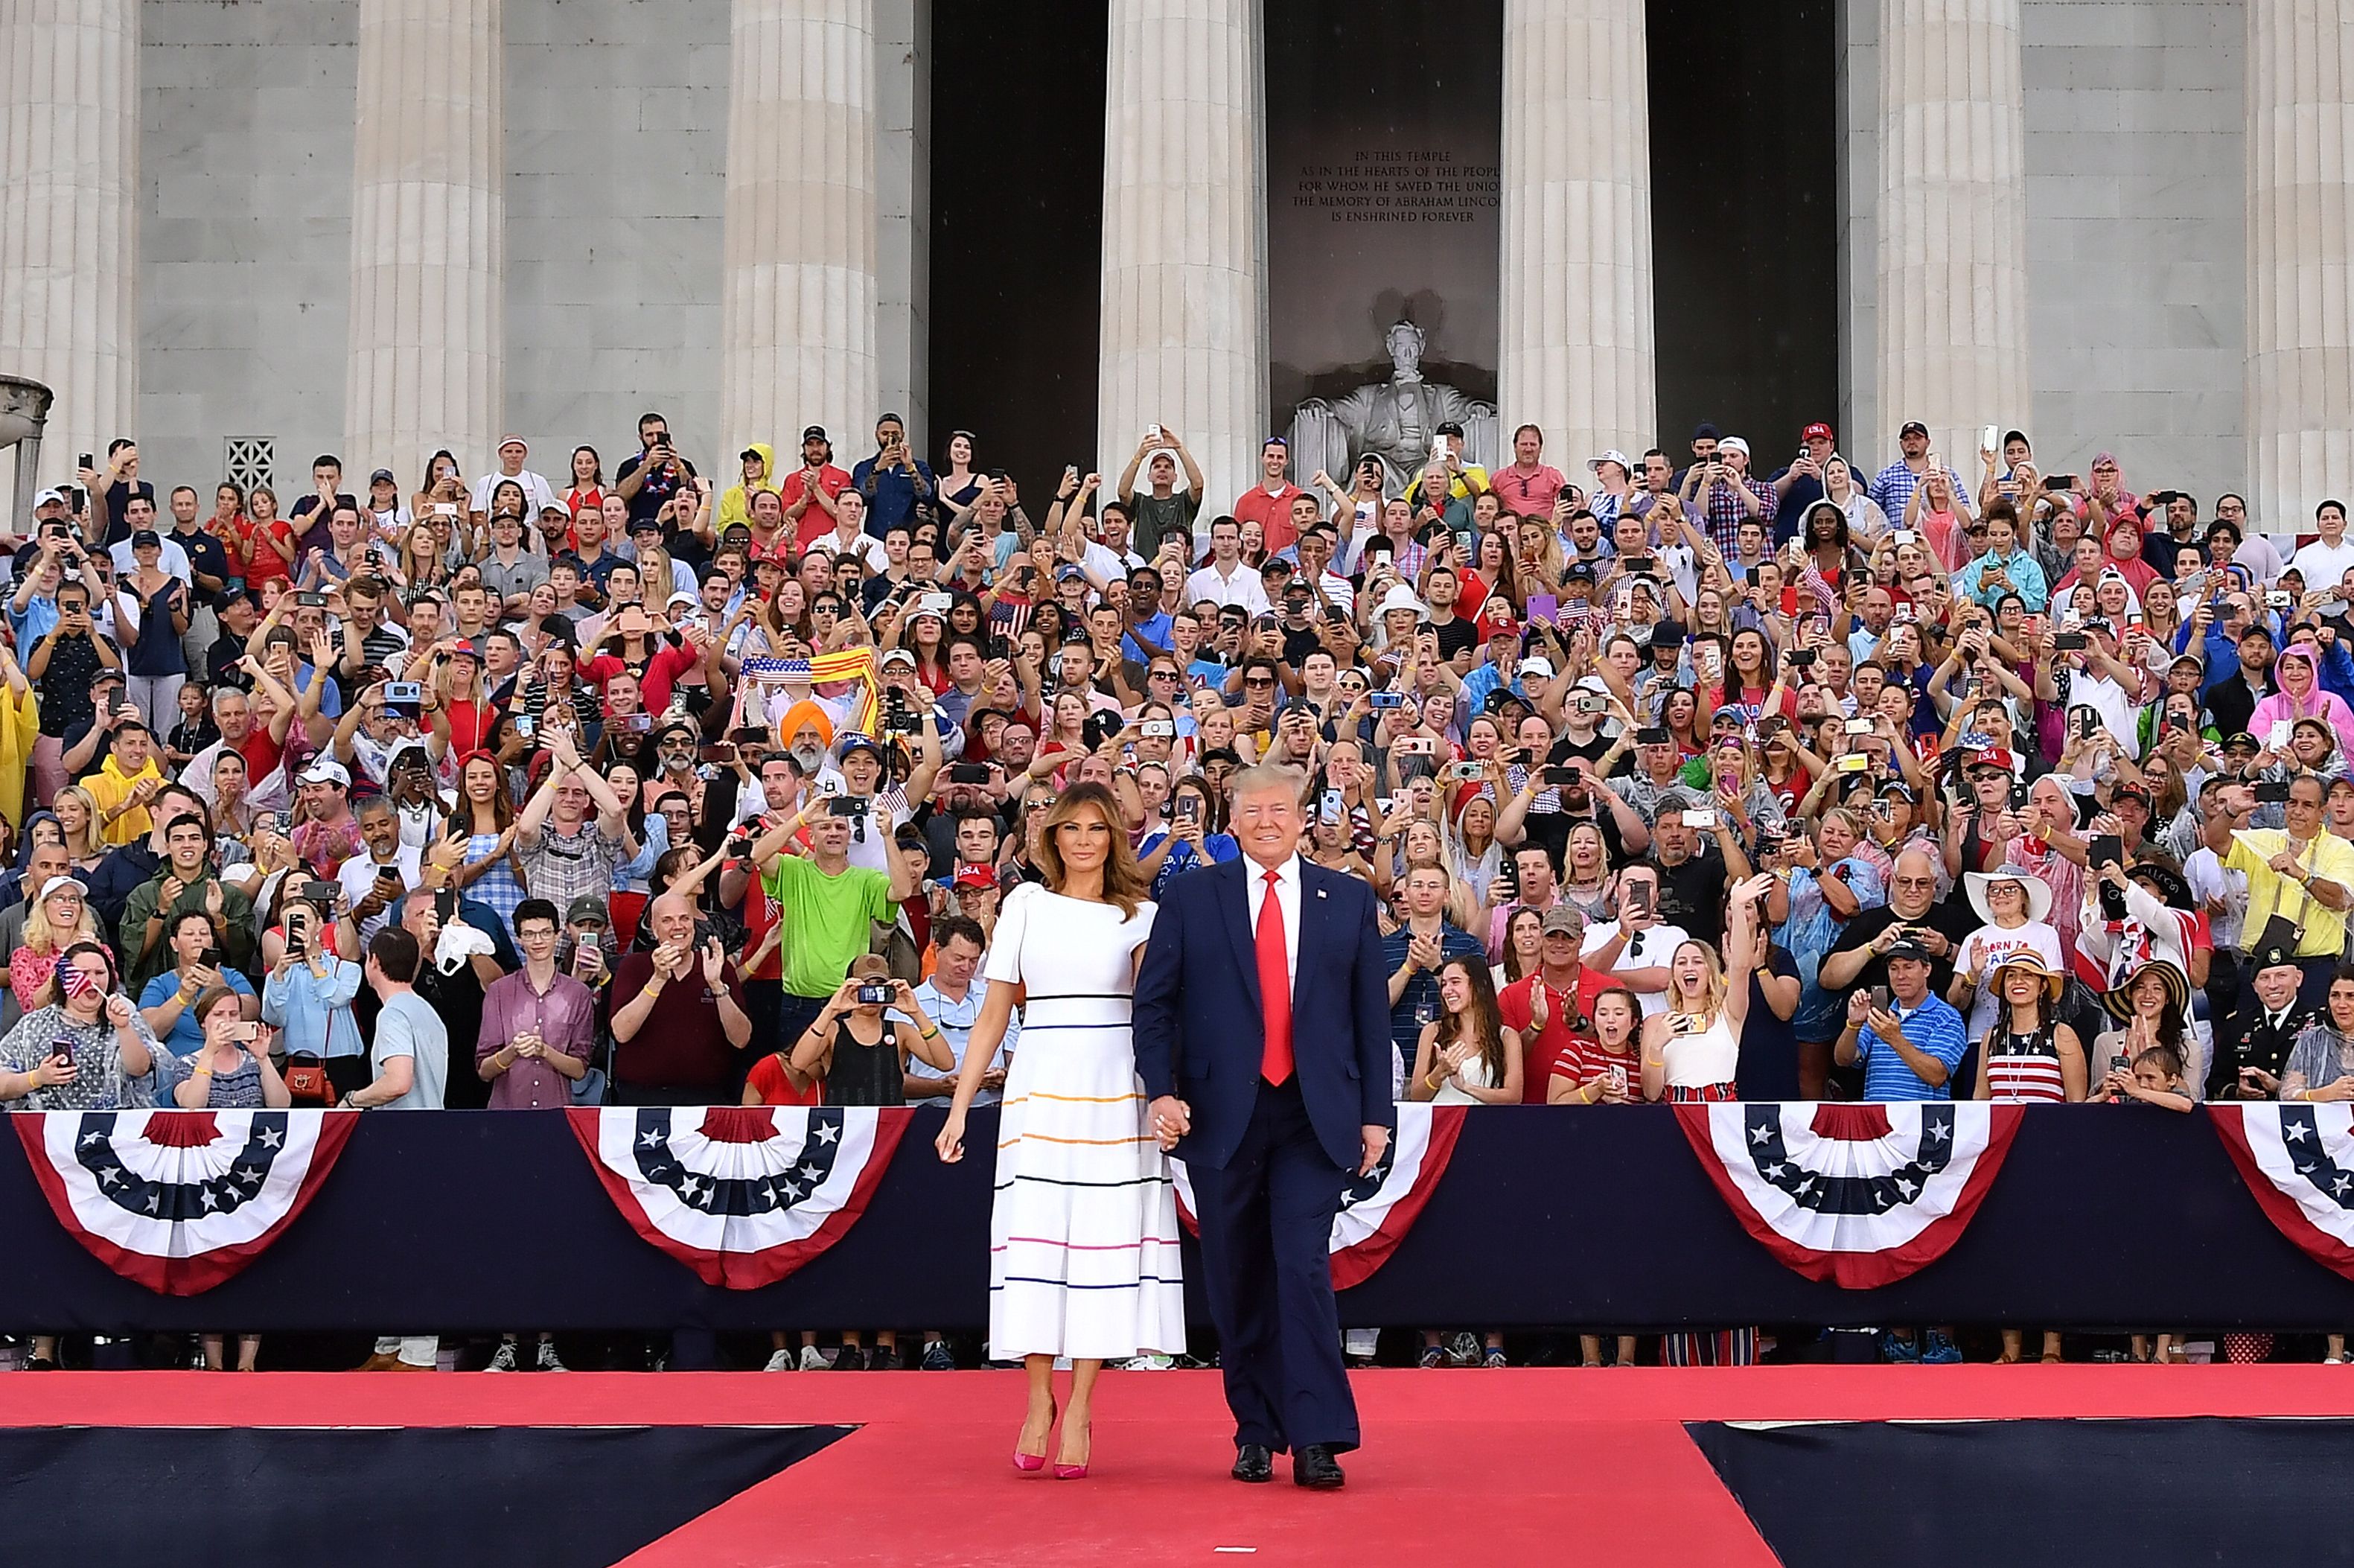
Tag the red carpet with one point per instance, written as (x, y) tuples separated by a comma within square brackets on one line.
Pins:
[(1492, 1467)]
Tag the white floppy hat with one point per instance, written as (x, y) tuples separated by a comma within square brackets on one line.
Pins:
[(1400, 597), (2039, 892)]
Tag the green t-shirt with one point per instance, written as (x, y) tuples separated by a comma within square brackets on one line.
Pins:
[(826, 920), (1153, 517)]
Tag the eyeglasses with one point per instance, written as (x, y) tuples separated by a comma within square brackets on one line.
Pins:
[(1260, 685)]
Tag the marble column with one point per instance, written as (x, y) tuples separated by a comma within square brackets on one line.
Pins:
[(69, 216), (2300, 375), (1952, 309), (1184, 239), (798, 305), (1577, 357), (427, 349)]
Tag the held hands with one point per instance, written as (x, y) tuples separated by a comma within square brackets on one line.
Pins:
[(1173, 1118)]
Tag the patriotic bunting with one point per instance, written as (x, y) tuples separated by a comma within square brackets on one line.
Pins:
[(1861, 1195), (2298, 1159), (1376, 1211), (742, 1195), (179, 1201)]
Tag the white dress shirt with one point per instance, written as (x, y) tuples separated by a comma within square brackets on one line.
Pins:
[(1243, 589), (1287, 894)]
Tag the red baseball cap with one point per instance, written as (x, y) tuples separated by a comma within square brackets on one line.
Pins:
[(1817, 431), (975, 877)]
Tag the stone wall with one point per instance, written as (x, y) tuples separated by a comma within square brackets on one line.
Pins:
[(2136, 185)]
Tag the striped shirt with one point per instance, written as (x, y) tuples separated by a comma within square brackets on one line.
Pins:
[(1934, 1030), (2025, 1070)]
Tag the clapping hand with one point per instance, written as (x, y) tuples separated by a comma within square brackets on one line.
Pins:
[(715, 962)]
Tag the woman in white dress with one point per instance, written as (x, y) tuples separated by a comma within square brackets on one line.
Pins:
[(1083, 1233)]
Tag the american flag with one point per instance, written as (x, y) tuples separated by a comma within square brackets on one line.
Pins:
[(762, 668)]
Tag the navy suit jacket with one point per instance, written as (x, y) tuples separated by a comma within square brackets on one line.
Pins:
[(1198, 1031)]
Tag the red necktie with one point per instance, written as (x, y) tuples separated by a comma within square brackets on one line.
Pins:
[(1274, 987)]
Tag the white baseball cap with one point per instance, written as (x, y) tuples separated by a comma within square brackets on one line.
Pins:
[(1613, 455)]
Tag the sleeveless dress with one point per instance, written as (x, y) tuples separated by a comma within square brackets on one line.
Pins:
[(1701, 1067), (497, 886), (1083, 1230), (865, 1074), (2024, 1069)]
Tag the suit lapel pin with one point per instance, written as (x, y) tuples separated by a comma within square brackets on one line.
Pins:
[(1320, 892)]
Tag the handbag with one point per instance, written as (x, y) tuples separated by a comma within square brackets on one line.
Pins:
[(306, 1082)]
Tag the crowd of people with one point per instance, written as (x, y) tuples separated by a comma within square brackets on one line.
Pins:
[(1678, 779)]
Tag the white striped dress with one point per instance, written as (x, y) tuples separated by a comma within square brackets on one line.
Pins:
[(1083, 1230)]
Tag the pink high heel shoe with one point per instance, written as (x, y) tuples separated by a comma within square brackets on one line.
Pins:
[(1031, 1464), (1077, 1472)]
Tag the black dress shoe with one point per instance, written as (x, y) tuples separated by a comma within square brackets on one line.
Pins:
[(1253, 1462), (1315, 1467)]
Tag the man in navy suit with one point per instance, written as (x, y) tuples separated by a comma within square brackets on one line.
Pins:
[(1263, 1036)]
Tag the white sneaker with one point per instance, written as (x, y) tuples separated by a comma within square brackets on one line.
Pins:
[(547, 1362), (503, 1357), (812, 1359), (780, 1359), (1363, 1344), (1148, 1364)]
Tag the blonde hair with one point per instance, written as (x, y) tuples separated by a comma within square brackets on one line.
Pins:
[(1716, 983), (90, 843), (46, 939)]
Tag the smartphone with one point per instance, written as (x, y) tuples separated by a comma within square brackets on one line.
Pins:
[(1907, 537), (968, 773), (1654, 737), (1189, 809), (848, 805), (1880, 997), (723, 752), (1593, 703), (586, 959), (1859, 727), (2106, 849), (310, 602), (1802, 658), (1379, 701), (2277, 600), (1544, 606), (1990, 439), (2070, 642), (876, 994), (1464, 772), (244, 1033), (1331, 808), (1158, 729), (2276, 739), (1559, 778), (1700, 817), (1153, 434), (1414, 745), (1642, 565), (637, 724), (1853, 762), (526, 725), (1639, 898), (2273, 792), (2059, 482), (445, 509), (388, 874)]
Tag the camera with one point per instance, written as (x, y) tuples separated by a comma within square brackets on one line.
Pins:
[(1380, 701), (848, 806), (1464, 772)]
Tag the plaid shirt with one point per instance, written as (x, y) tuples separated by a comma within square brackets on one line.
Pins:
[(1892, 489), (561, 868), (1724, 513)]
